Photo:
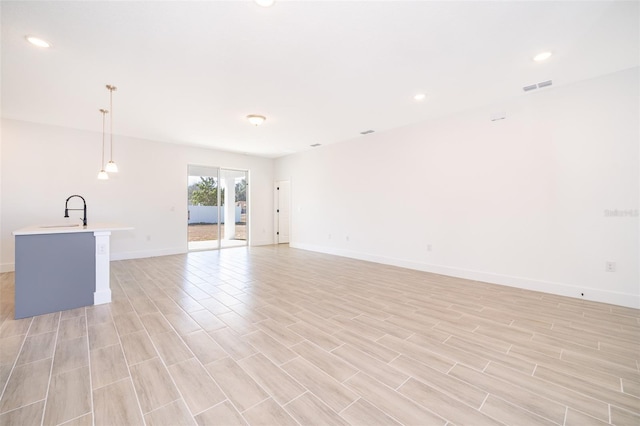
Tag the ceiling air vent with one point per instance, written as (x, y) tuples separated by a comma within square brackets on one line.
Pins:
[(497, 116), (366, 132), (315, 145), (537, 86)]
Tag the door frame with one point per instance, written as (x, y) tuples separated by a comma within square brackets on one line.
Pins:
[(276, 211), (219, 175)]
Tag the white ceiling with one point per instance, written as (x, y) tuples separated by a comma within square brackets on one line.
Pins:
[(320, 71)]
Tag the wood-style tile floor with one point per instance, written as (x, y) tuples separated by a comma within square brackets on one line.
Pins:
[(278, 336)]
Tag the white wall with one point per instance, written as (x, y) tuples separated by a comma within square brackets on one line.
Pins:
[(518, 202), (42, 165)]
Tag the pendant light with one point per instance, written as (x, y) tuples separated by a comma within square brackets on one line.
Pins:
[(103, 174), (111, 167)]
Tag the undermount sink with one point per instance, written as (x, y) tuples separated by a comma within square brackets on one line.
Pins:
[(59, 226)]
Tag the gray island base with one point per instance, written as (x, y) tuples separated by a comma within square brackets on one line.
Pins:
[(61, 267), (54, 272)]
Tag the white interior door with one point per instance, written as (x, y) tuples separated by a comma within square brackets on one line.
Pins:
[(282, 211)]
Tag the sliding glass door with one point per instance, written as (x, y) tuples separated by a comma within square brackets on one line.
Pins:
[(234, 206), (217, 206)]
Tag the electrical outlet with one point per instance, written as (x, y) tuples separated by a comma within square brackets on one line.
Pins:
[(347, 238), (102, 248), (610, 266), (428, 247)]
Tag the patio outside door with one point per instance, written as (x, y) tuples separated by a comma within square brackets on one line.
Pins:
[(217, 206)]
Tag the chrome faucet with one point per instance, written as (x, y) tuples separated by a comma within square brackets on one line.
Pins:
[(66, 208)]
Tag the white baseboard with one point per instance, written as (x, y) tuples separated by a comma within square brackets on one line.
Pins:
[(7, 267), (102, 297), (139, 254), (560, 289), (261, 243)]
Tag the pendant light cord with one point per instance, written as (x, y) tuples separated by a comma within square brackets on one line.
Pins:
[(104, 113), (111, 88)]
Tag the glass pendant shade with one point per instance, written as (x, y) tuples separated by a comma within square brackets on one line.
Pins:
[(103, 175), (111, 167)]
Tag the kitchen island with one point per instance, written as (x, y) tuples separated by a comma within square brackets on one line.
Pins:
[(60, 267)]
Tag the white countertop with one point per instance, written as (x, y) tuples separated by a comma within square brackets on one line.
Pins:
[(68, 228)]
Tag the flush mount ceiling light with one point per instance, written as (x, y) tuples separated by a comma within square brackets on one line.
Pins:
[(103, 174), (38, 42), (255, 119), (420, 97), (542, 56), (111, 167), (265, 3)]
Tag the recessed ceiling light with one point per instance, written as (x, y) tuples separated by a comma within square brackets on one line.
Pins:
[(542, 56), (420, 97), (38, 41), (265, 3)]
